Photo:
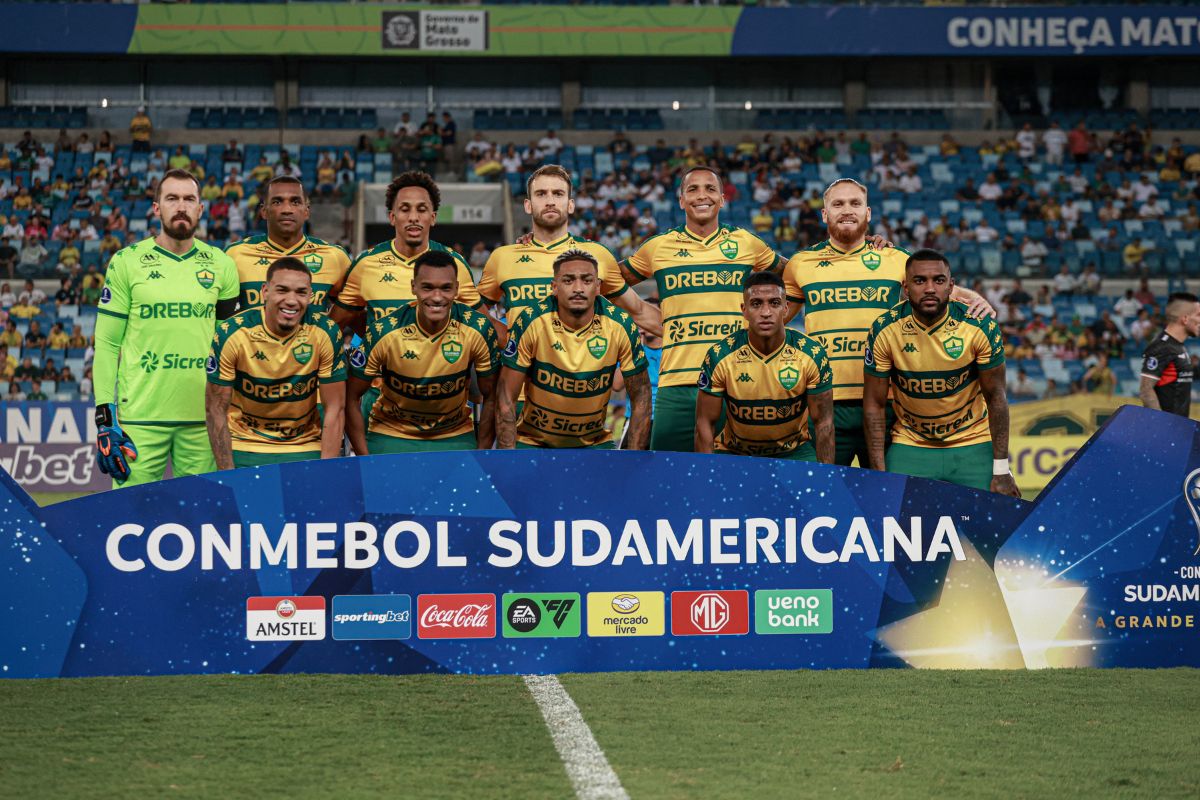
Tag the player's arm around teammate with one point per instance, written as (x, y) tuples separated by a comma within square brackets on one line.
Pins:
[(993, 384)]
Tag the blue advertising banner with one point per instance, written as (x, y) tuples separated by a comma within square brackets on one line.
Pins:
[(547, 562), (956, 31)]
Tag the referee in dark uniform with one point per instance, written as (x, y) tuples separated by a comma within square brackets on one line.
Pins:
[(1166, 364)]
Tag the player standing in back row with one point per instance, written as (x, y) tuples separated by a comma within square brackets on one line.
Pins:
[(844, 286), (1166, 365), (160, 302), (285, 209), (699, 268)]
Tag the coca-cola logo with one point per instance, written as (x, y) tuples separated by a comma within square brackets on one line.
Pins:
[(456, 616)]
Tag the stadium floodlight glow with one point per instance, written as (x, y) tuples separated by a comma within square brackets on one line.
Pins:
[(749, 105), (104, 102), (674, 105)]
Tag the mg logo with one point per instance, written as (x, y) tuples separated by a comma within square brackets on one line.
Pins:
[(710, 612)]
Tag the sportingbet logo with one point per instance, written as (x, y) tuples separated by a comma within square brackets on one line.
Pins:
[(150, 361), (710, 613), (177, 311), (793, 611), (456, 616), (626, 614), (541, 615), (285, 619), (385, 616)]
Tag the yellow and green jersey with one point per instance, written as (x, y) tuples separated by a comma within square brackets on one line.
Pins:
[(380, 281), (520, 274), (766, 395), (167, 306), (843, 294), (425, 378), (275, 380), (328, 264), (700, 290), (934, 374), (569, 373)]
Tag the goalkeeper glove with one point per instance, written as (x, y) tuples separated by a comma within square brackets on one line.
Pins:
[(114, 448)]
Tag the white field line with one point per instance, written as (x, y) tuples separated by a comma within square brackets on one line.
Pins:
[(589, 771)]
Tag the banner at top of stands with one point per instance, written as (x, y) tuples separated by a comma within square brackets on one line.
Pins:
[(331, 29)]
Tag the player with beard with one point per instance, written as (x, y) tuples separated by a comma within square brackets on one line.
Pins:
[(699, 269), (161, 299), (1167, 376), (520, 274), (267, 367), (285, 209), (844, 285), (945, 369)]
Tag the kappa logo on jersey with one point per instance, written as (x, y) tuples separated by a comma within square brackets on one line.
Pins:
[(626, 614), (205, 277), (154, 275), (824, 263), (384, 616), (285, 619), (683, 253), (558, 346), (744, 377), (910, 348), (387, 277), (263, 262), (710, 613), (260, 355), (411, 355), (456, 616), (525, 259)]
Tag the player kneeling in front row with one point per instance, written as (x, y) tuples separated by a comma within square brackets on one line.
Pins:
[(424, 352), (769, 379), (267, 368), (564, 352), (946, 370)]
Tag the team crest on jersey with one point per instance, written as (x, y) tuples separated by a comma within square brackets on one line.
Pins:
[(205, 278), (313, 262), (729, 248), (789, 377), (871, 260), (451, 351), (303, 352), (953, 346), (597, 346)]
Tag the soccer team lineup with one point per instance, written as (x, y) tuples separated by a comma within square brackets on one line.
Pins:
[(284, 348)]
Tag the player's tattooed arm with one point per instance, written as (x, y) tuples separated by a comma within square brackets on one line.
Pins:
[(356, 426), (992, 384), (875, 392), (485, 433), (511, 381), (216, 419), (708, 411), (631, 277), (820, 408), (1147, 394), (638, 387)]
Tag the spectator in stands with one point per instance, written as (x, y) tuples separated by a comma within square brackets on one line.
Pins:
[(35, 338), (211, 189), (11, 338), (35, 391), (179, 159), (406, 150), (762, 221), (77, 340), (1079, 143), (785, 232), (326, 176), (1023, 388), (967, 193), (27, 370), (67, 295), (1099, 379), (479, 255), (550, 145), (8, 363), (140, 130), (85, 383), (1134, 255), (1151, 209), (1055, 142), (991, 190), (1142, 329), (8, 298), (110, 244), (1065, 283), (262, 171), (1089, 281), (1143, 190), (1128, 305), (93, 285), (8, 256), (620, 146), (1017, 294), (13, 229), (910, 181), (1033, 252), (1026, 141), (236, 220), (985, 233), (232, 154), (88, 232), (1145, 296), (26, 145), (65, 376), (49, 369), (32, 256)]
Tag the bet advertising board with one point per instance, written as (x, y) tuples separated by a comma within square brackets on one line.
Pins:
[(544, 562)]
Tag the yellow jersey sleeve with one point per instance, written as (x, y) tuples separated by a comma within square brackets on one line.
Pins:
[(489, 281), (989, 343), (485, 345), (351, 295), (877, 355), (611, 283), (642, 261), (713, 376), (332, 366), (468, 294)]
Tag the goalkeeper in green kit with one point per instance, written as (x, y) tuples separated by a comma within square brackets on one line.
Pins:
[(160, 303)]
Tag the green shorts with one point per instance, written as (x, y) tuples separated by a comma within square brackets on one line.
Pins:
[(378, 443), (675, 419), (969, 465), (368, 399), (185, 445), (601, 446), (245, 458), (849, 439), (805, 452)]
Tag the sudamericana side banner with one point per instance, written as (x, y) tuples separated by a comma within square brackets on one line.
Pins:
[(50, 447), (507, 562)]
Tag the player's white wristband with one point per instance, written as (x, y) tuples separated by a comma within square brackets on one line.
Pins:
[(1000, 466)]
